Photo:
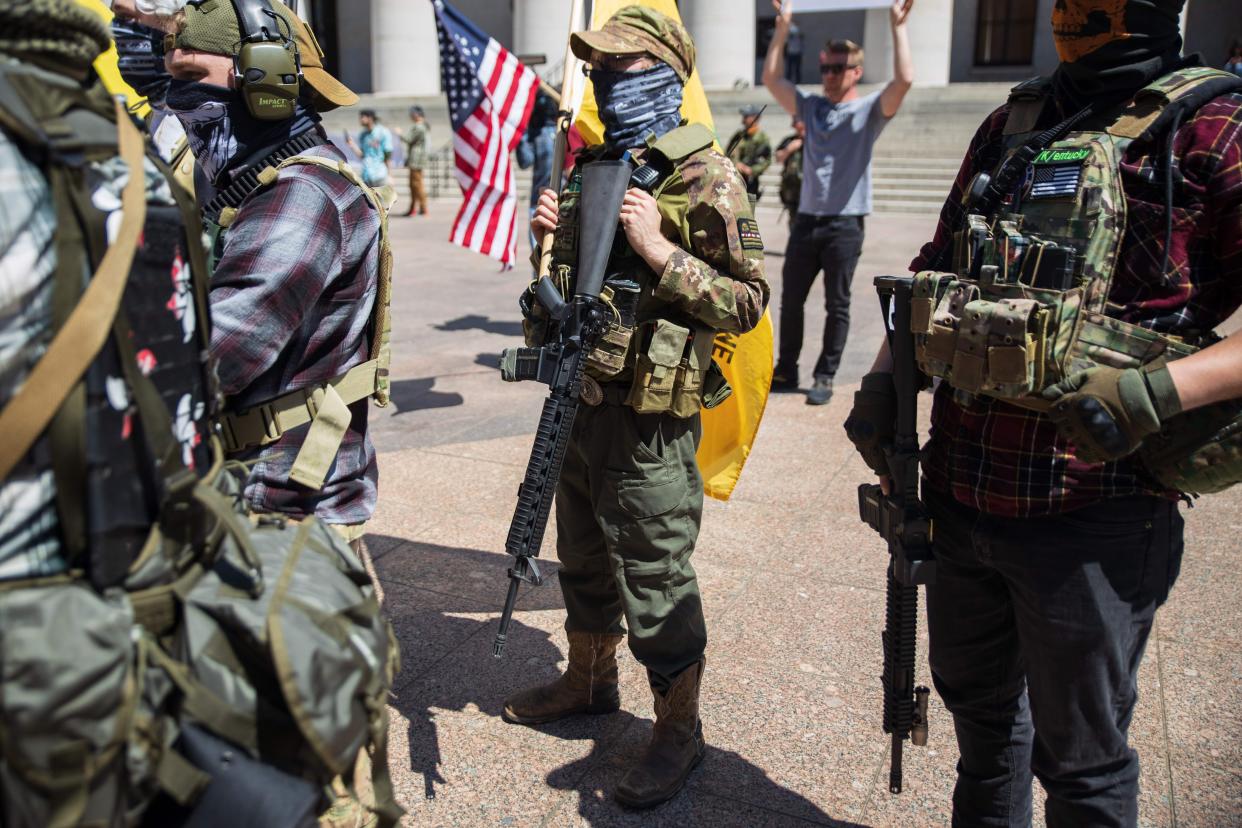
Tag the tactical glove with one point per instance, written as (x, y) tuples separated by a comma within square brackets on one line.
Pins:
[(872, 421), (1106, 412), (535, 321)]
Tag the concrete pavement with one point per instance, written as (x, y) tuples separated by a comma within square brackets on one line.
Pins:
[(792, 585)]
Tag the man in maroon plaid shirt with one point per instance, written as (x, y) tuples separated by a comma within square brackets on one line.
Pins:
[(294, 284), (1054, 549)]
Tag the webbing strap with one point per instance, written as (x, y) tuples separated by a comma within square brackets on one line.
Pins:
[(266, 423), (74, 348), (323, 440)]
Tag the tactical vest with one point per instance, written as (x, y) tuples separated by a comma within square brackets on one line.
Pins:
[(1026, 304), (324, 405), (185, 630), (664, 356)]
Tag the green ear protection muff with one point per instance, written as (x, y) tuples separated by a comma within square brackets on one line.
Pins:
[(266, 63)]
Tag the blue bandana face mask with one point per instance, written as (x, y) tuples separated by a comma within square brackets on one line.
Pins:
[(633, 105)]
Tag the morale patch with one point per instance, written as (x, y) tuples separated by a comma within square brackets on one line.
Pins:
[(748, 232), (1055, 180), (591, 393)]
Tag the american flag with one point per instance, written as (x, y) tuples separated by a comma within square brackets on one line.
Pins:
[(1055, 180), (490, 95)]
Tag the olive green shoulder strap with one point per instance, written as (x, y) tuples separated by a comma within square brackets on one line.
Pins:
[(1173, 97), (684, 142), (76, 344), (1026, 104)]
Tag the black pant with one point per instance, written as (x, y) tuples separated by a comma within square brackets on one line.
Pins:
[(832, 244), (1037, 627)]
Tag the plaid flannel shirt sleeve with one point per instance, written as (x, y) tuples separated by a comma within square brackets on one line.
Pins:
[(984, 146), (283, 247)]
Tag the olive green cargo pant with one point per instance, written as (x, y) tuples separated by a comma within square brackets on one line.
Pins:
[(628, 510)]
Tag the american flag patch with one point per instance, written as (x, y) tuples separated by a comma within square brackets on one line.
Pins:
[(1055, 180)]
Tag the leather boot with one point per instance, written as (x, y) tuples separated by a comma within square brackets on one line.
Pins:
[(589, 684), (676, 745)]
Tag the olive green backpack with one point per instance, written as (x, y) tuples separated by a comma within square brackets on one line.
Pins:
[(264, 632)]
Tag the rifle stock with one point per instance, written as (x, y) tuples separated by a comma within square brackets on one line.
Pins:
[(900, 518)]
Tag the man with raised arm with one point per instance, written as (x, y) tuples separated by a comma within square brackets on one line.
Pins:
[(827, 233)]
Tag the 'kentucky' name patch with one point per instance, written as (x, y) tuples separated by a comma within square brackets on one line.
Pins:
[(748, 232), (1063, 156)]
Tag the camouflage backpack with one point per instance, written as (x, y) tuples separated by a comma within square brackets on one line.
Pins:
[(1027, 301), (192, 656)]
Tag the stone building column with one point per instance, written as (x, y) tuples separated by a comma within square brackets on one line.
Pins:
[(539, 28), (405, 53), (930, 27), (724, 38)]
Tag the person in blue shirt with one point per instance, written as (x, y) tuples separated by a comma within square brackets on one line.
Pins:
[(374, 147)]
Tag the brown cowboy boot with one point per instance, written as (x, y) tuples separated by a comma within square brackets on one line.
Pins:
[(589, 684), (676, 745)]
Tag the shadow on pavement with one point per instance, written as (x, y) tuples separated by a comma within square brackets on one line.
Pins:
[(447, 661), (725, 789), (417, 394), (488, 360), (475, 322), (449, 668)]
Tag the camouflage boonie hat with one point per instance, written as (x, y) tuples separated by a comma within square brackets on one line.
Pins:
[(211, 26), (635, 30)]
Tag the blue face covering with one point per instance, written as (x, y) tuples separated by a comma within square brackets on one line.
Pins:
[(633, 105)]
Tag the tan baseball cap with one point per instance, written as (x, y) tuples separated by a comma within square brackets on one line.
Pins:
[(212, 27), (639, 30)]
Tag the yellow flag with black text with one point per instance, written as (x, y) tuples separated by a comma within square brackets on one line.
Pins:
[(729, 429)]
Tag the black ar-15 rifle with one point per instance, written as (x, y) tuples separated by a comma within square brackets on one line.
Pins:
[(559, 364), (902, 521)]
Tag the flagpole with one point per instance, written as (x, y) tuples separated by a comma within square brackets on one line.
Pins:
[(566, 119)]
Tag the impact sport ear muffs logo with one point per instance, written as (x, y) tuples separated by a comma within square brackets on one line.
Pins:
[(266, 62)]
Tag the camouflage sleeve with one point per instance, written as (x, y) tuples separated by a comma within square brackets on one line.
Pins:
[(762, 156), (719, 280)]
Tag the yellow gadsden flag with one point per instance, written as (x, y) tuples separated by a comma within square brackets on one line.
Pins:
[(729, 429)]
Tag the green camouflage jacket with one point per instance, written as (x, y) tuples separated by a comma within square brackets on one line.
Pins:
[(715, 278), (415, 141), (755, 151)]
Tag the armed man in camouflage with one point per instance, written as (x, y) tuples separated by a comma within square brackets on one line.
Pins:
[(1099, 393), (631, 498), (749, 149)]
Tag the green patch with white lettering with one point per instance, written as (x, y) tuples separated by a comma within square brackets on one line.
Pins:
[(748, 233), (1063, 156)]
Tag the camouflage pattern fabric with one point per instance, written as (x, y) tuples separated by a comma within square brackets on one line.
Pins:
[(637, 30), (715, 279), (755, 151)]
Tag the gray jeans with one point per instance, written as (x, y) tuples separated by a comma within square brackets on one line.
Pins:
[(1037, 627)]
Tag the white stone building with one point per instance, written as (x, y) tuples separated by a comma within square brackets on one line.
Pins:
[(389, 46)]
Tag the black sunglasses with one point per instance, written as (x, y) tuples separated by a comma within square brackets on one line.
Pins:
[(834, 68)]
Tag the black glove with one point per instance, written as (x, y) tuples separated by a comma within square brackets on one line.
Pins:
[(872, 421), (535, 321)]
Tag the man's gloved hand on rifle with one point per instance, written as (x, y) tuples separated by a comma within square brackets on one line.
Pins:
[(871, 423), (1107, 412)]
